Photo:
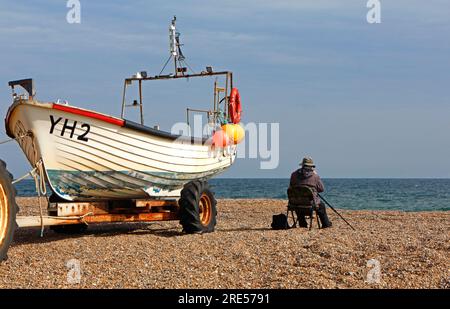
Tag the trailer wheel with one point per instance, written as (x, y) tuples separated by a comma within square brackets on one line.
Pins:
[(197, 208), (8, 210)]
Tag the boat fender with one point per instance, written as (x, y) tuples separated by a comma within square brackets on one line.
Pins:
[(234, 132), (220, 139), (234, 106)]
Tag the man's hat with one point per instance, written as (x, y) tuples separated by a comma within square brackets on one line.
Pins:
[(307, 161)]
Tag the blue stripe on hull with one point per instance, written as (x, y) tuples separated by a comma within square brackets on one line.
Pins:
[(89, 185)]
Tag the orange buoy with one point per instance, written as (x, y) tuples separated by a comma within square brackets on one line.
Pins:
[(234, 132), (220, 139)]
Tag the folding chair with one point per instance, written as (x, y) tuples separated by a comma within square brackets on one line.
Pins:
[(301, 202)]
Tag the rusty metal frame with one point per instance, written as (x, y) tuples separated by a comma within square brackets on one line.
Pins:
[(35, 221), (103, 212)]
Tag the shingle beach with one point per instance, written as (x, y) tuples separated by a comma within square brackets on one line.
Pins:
[(411, 250)]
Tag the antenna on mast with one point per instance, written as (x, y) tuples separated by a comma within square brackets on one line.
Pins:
[(175, 51), (173, 37)]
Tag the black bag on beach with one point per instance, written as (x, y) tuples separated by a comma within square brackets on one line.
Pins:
[(279, 222)]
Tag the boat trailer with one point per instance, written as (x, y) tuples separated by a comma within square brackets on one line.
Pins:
[(195, 209), (67, 213)]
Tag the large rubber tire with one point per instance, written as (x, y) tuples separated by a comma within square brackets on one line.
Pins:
[(197, 208), (69, 229), (8, 210)]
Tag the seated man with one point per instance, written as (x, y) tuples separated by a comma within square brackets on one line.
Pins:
[(307, 176)]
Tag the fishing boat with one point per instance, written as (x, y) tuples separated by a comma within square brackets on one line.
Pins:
[(87, 155), (104, 169)]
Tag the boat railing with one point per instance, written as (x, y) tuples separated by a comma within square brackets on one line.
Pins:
[(221, 94)]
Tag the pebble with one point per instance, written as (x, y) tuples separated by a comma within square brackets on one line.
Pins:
[(244, 252)]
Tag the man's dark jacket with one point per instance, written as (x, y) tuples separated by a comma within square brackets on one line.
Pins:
[(310, 179)]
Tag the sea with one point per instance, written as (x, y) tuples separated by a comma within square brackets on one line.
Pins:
[(371, 194)]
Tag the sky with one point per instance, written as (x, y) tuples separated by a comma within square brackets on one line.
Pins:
[(364, 100)]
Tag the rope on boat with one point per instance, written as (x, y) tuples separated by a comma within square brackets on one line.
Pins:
[(38, 174), (16, 138), (29, 174), (41, 216), (39, 180), (42, 186), (79, 218)]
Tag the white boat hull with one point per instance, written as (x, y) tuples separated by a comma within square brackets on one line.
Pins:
[(88, 156)]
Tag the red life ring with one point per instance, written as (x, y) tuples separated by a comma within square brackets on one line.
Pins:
[(234, 106)]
